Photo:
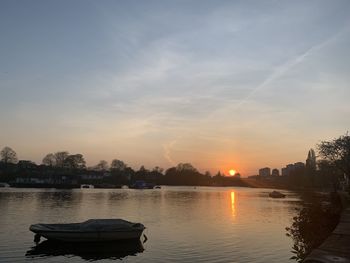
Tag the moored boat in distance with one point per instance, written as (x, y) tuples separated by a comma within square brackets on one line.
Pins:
[(276, 194), (93, 230), (87, 186), (140, 184)]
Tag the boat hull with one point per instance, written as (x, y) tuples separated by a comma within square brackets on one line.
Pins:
[(93, 230), (90, 237)]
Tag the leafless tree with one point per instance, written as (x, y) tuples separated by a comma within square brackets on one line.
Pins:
[(8, 155), (118, 165), (49, 160), (102, 166)]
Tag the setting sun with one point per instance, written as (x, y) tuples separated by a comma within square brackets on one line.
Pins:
[(232, 172)]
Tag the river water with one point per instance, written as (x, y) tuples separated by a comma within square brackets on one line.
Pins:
[(184, 224)]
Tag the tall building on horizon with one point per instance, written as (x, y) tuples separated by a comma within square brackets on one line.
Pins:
[(291, 168), (265, 171), (311, 160), (275, 172)]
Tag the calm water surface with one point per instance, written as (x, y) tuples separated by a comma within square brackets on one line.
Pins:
[(184, 224)]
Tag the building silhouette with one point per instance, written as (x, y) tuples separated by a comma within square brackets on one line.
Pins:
[(299, 165), (275, 172), (265, 171), (311, 160), (290, 168)]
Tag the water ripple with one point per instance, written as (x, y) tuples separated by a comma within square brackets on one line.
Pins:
[(183, 224)]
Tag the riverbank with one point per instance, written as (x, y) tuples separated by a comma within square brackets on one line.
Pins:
[(336, 248), (273, 182), (262, 183)]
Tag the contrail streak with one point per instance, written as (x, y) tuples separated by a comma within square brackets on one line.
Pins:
[(284, 68)]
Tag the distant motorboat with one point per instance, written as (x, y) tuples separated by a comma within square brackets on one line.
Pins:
[(276, 194), (140, 184), (87, 186), (157, 187), (93, 230)]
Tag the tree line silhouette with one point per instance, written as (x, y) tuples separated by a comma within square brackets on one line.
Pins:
[(73, 166), (333, 168)]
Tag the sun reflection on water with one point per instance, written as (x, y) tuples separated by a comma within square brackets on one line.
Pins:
[(233, 209)]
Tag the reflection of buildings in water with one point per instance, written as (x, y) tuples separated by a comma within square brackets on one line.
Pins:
[(233, 209)]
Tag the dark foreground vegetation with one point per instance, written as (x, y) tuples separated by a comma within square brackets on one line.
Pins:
[(314, 222)]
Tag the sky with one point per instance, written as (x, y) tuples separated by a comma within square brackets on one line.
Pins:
[(219, 84)]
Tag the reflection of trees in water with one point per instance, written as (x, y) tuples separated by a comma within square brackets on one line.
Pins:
[(182, 197), (116, 196), (56, 198), (313, 224)]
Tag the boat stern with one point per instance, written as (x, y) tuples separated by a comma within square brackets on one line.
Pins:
[(38, 228)]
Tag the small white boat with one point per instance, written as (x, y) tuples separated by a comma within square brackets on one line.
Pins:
[(276, 194), (87, 186), (93, 230)]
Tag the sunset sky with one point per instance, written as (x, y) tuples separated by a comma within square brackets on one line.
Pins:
[(220, 84)]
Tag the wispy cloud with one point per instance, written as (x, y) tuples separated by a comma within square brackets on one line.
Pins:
[(290, 64), (173, 80), (167, 148)]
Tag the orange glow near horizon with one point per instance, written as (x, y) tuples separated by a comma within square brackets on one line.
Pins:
[(232, 172)]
